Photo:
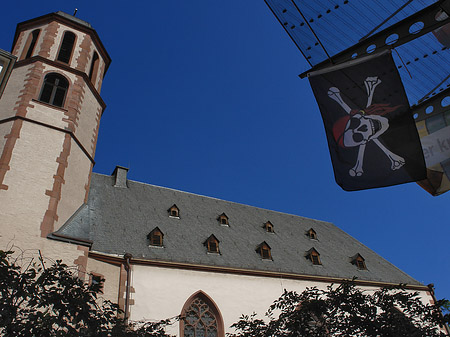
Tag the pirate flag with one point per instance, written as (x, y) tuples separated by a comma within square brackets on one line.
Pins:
[(371, 133)]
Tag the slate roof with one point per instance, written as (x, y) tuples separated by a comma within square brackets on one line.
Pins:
[(117, 220)]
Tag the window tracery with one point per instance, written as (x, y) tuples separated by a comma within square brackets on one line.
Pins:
[(201, 318)]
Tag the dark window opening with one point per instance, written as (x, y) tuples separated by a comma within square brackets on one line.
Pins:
[(94, 68), (223, 219), (359, 261), (213, 247), (212, 244), (54, 89), (30, 44), (269, 227), (155, 237), (311, 233), (264, 251), (314, 256), (360, 264), (66, 47), (315, 259), (174, 211)]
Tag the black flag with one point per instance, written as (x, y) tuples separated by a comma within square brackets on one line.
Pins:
[(371, 133)]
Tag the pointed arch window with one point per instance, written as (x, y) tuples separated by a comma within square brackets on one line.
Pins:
[(311, 233), (155, 237), (94, 68), (212, 244), (223, 219), (268, 226), (30, 44), (65, 51), (54, 89), (264, 250), (314, 256), (201, 317), (174, 211), (359, 262)]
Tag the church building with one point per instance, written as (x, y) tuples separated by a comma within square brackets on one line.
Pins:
[(162, 252)]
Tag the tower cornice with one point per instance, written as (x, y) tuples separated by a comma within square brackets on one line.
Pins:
[(67, 68), (70, 21)]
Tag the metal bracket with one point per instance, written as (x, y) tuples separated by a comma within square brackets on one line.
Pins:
[(434, 104), (386, 38)]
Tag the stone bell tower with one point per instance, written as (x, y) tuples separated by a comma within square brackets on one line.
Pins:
[(49, 118)]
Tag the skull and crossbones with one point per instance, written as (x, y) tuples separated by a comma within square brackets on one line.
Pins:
[(361, 127)]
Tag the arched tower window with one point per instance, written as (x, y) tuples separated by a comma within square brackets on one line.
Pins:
[(201, 317), (65, 51), (30, 44), (54, 89), (94, 68)]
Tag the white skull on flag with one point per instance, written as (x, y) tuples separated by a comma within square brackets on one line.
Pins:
[(360, 127)]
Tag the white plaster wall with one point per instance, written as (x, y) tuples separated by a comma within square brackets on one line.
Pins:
[(111, 273), (87, 122), (12, 91), (32, 167), (45, 114), (73, 190), (23, 205), (5, 129), (162, 292)]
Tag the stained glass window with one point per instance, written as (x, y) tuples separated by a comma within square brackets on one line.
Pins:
[(200, 320)]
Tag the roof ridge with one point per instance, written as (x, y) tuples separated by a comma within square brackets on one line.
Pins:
[(214, 198)]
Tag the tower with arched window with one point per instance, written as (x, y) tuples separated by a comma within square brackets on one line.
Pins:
[(49, 118)]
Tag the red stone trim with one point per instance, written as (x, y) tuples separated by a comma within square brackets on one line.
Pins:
[(15, 49), (51, 127), (31, 82), (227, 270), (47, 225), (122, 286), (85, 52), (81, 261), (64, 67), (49, 37), (5, 158), (53, 18)]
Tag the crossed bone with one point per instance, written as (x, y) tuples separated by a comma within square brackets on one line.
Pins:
[(396, 161)]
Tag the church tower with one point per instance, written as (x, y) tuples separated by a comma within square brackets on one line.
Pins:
[(49, 119)]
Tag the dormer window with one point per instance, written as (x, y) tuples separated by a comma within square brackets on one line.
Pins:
[(212, 244), (174, 211), (223, 219), (155, 237), (264, 250), (268, 226), (311, 233), (359, 262), (314, 256)]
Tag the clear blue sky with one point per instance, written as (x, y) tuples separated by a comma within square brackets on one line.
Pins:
[(203, 96)]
